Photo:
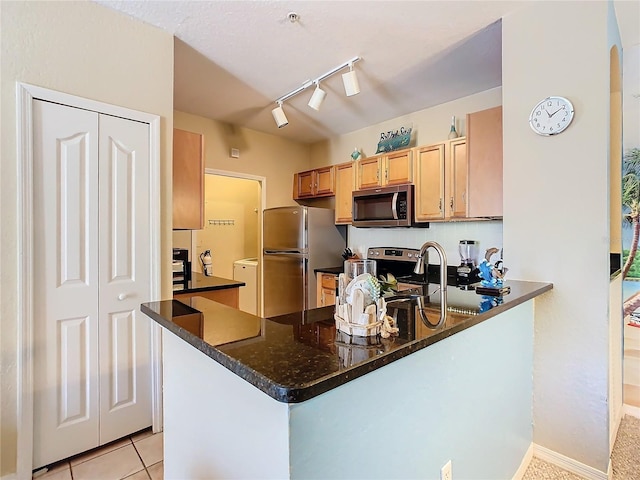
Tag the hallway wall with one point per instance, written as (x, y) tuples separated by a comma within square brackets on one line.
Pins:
[(228, 199)]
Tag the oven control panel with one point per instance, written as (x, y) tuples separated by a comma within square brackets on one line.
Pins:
[(394, 254)]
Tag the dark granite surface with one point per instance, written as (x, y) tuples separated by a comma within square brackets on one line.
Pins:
[(334, 270), (202, 283), (298, 356)]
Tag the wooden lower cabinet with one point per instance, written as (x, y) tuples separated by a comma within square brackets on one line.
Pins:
[(326, 289), (227, 296)]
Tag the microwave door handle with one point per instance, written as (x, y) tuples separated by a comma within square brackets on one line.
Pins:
[(394, 206)]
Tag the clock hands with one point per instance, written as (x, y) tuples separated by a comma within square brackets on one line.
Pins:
[(562, 108)]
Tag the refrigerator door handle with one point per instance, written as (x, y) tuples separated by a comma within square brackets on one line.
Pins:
[(305, 277)]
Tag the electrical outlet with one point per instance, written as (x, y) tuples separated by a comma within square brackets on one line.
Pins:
[(445, 472)]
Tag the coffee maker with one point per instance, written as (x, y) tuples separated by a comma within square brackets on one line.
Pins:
[(467, 271)]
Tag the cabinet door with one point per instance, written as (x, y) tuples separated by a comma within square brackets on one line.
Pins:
[(328, 297), (369, 173), (484, 150), (324, 181), (345, 185), (188, 180), (304, 184), (398, 168), (457, 179), (429, 184)]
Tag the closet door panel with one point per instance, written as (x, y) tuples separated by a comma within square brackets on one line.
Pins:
[(125, 359), (65, 149)]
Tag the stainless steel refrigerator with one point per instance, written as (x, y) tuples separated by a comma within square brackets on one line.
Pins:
[(296, 241)]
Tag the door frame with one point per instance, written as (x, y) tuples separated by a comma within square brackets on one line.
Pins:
[(263, 201), (25, 95)]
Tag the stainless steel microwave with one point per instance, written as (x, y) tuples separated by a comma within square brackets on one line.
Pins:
[(384, 207)]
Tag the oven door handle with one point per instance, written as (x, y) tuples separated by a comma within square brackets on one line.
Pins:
[(394, 206)]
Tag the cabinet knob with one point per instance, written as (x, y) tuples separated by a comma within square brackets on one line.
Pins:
[(122, 296)]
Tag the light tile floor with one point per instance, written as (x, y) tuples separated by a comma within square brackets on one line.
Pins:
[(138, 457)]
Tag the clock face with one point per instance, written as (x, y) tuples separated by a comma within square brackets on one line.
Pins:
[(551, 116)]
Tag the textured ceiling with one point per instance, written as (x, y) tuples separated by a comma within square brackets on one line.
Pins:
[(234, 58)]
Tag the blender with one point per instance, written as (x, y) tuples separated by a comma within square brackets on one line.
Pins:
[(467, 273)]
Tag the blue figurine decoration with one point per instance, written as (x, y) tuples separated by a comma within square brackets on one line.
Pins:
[(488, 302), (490, 275)]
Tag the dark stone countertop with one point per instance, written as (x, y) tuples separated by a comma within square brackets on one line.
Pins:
[(298, 356), (202, 283), (334, 270)]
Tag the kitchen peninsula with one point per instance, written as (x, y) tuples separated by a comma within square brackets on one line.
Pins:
[(218, 289), (287, 397)]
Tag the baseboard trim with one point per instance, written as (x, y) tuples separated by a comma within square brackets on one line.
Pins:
[(569, 464), (631, 410), (526, 460), (11, 476), (614, 431)]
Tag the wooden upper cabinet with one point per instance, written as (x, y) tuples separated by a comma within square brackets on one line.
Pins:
[(314, 183), (188, 180), (429, 182), (484, 151), (398, 168), (345, 185), (324, 181), (458, 178), (304, 184), (393, 168), (369, 172), (441, 181)]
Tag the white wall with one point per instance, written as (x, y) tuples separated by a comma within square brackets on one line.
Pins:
[(556, 218), (488, 234), (466, 399), (430, 125), (228, 198), (86, 50)]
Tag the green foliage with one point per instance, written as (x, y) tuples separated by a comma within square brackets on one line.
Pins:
[(634, 271)]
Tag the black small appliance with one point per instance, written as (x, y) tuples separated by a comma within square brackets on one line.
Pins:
[(467, 271)]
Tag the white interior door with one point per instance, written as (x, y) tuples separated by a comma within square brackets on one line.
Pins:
[(124, 333), (65, 281), (92, 345)]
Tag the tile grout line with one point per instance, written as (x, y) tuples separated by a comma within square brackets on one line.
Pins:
[(144, 465)]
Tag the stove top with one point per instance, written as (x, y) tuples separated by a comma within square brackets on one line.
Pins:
[(400, 262)]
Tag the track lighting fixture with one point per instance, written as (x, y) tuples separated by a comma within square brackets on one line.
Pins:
[(349, 79), (317, 98), (279, 116)]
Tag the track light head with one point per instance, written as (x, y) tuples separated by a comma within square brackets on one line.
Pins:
[(279, 116), (317, 98), (350, 81)]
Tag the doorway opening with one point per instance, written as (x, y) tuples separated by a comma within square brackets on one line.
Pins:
[(233, 205)]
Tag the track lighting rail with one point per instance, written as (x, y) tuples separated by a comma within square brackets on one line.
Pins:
[(349, 79), (322, 77)]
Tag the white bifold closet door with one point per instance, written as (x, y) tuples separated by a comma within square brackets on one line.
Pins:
[(92, 372)]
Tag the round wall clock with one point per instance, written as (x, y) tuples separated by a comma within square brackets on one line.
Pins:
[(551, 116)]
